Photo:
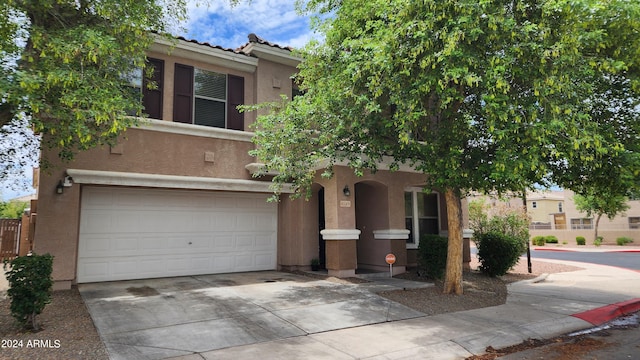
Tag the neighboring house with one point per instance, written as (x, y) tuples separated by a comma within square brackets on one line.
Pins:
[(546, 209), (176, 195), (553, 212), (24, 198), (566, 222)]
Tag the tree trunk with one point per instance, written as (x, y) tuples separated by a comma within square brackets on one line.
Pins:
[(453, 272), (596, 227), (34, 323)]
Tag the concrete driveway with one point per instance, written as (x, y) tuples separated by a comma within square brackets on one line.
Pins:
[(172, 317)]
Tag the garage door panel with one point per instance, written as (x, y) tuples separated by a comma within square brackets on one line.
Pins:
[(224, 243), (265, 242), (141, 233), (263, 259)]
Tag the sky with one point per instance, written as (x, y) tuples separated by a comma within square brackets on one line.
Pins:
[(221, 24)]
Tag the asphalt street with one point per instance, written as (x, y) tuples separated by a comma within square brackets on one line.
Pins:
[(627, 260)]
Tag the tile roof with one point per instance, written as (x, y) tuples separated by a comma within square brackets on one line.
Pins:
[(235, 51), (253, 38)]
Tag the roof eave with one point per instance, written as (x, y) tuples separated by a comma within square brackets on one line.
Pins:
[(205, 53), (271, 53)]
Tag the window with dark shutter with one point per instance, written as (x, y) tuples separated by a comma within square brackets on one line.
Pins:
[(207, 98), (152, 98), (235, 119), (210, 90), (183, 94)]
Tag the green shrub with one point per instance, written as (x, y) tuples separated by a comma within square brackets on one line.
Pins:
[(30, 285), (598, 241), (432, 256), (498, 252), (580, 240), (550, 239), (623, 240), (538, 240), (500, 218)]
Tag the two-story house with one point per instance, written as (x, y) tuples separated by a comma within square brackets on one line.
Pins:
[(176, 195)]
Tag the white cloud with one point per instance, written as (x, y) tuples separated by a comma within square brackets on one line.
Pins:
[(227, 26)]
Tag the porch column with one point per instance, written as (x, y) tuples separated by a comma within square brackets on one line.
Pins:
[(341, 250), (467, 234), (396, 241)]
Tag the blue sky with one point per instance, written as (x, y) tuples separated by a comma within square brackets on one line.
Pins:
[(221, 24), (273, 20)]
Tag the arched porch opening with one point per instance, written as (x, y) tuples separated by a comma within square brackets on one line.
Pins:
[(372, 214)]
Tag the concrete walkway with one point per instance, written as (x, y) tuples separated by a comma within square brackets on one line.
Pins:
[(545, 308), (169, 317), (278, 317)]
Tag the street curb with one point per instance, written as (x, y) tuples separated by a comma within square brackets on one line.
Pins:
[(579, 250), (540, 278), (607, 313), (557, 250)]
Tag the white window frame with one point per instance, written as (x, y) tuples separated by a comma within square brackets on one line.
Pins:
[(196, 96), (413, 243)]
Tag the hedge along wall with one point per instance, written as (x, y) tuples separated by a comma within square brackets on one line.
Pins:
[(569, 236)]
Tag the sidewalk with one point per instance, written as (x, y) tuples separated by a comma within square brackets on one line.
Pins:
[(545, 307)]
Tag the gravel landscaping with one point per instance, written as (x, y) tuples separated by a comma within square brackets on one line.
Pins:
[(68, 332)]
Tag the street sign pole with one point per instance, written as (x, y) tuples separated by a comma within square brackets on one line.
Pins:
[(390, 259)]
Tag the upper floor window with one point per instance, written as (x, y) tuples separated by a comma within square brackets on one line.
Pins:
[(534, 204), (560, 207), (421, 215), (634, 222), (295, 90), (151, 96), (207, 98)]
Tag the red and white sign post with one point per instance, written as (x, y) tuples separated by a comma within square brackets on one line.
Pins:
[(390, 259)]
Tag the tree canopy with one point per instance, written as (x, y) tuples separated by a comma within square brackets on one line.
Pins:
[(600, 202), (65, 67), (12, 209), (480, 95)]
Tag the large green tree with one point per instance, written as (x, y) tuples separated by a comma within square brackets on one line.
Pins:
[(478, 94), (65, 66), (600, 202)]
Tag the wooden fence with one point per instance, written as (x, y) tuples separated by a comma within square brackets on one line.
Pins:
[(9, 238)]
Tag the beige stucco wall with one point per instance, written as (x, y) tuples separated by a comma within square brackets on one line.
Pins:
[(272, 80), (169, 69), (154, 152), (139, 151), (298, 232), (376, 203), (57, 225), (545, 208), (620, 222)]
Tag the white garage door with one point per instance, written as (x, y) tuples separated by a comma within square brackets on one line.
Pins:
[(128, 233)]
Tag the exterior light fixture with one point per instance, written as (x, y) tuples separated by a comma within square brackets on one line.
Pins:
[(346, 191), (59, 188)]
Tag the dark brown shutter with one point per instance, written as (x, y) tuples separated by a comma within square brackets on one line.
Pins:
[(152, 98), (235, 91), (183, 94)]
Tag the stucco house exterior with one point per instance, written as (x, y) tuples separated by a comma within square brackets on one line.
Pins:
[(176, 195)]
